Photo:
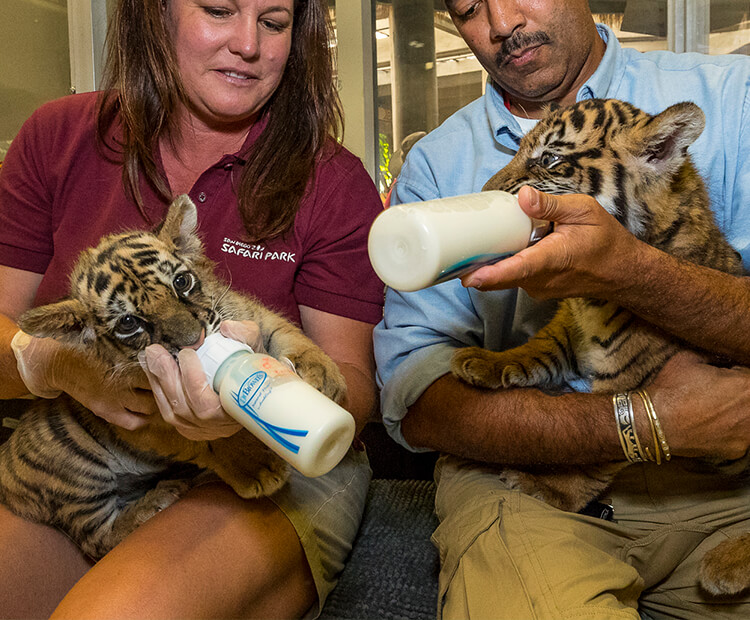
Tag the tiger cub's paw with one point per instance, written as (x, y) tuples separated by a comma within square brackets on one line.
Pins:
[(487, 369), (320, 371), (266, 480), (725, 569), (166, 493)]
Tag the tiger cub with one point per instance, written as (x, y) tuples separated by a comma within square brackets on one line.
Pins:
[(637, 167), (68, 468)]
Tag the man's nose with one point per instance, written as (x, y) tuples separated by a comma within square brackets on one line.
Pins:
[(505, 17)]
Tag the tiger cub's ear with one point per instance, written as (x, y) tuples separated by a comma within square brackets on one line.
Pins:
[(178, 228), (662, 141), (65, 321)]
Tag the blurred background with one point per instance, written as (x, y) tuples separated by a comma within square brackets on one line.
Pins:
[(402, 68)]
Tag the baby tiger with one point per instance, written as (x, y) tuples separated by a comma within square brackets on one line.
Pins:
[(637, 167), (97, 482)]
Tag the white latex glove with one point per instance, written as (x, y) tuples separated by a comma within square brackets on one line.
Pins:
[(47, 368), (185, 399)]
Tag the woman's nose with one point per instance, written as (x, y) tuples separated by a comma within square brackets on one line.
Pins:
[(243, 40)]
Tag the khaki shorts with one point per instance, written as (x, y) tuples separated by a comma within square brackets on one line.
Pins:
[(506, 555), (326, 513)]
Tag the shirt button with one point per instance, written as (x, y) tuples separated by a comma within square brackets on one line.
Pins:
[(202, 197)]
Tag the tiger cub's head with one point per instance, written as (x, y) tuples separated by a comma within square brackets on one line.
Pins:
[(627, 159), (134, 289)]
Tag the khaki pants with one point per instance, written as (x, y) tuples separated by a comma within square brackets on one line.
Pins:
[(326, 513), (506, 555)]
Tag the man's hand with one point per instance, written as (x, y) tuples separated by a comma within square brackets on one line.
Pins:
[(47, 368), (704, 410), (183, 395), (588, 254)]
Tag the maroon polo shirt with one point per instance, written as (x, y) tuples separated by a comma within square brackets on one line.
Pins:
[(59, 194)]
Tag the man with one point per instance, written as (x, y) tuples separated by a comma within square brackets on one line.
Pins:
[(504, 554)]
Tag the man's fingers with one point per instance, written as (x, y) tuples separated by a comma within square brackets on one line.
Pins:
[(511, 272), (568, 209)]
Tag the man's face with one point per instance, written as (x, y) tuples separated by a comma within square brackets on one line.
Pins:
[(534, 50)]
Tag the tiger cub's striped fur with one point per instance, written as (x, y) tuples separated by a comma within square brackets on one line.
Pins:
[(66, 467), (637, 167)]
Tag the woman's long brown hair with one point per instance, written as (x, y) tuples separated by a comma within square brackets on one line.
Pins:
[(143, 91)]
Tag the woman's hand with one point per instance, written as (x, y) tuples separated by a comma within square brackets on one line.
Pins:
[(185, 399), (588, 255), (47, 369)]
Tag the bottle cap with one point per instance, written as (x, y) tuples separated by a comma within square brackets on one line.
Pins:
[(215, 349)]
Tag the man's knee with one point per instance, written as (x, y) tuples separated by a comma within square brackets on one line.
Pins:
[(512, 556)]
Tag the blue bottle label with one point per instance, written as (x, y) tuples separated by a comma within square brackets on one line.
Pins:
[(470, 264), (254, 390), (250, 397)]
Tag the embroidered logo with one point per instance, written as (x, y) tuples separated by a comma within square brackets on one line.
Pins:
[(255, 251)]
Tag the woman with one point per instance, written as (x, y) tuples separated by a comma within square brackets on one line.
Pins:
[(231, 101)]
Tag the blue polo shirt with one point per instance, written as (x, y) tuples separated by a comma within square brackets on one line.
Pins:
[(421, 330)]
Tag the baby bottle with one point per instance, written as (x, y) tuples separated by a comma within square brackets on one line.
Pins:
[(301, 425), (416, 245)]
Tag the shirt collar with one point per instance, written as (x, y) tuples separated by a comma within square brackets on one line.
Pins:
[(507, 130), (252, 135), (598, 85)]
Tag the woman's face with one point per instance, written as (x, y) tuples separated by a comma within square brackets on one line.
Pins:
[(231, 54)]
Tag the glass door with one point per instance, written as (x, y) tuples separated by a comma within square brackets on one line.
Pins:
[(36, 60), (49, 48)]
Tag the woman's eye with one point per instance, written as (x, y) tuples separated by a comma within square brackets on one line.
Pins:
[(127, 325), (273, 26), (183, 283), (216, 11), (549, 160)]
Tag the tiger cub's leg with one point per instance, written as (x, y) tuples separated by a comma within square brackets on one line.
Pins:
[(242, 461), (123, 522), (283, 339), (568, 488), (546, 359), (245, 464)]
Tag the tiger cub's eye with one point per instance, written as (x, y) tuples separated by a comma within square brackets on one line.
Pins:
[(183, 283), (550, 160), (128, 325)]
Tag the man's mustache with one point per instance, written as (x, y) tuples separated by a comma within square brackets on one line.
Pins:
[(518, 41)]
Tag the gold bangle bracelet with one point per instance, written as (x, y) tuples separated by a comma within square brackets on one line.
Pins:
[(655, 421), (657, 451)]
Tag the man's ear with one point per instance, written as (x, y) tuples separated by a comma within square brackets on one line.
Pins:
[(179, 226), (66, 321)]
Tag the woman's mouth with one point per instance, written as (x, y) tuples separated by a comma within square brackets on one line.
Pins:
[(236, 75)]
